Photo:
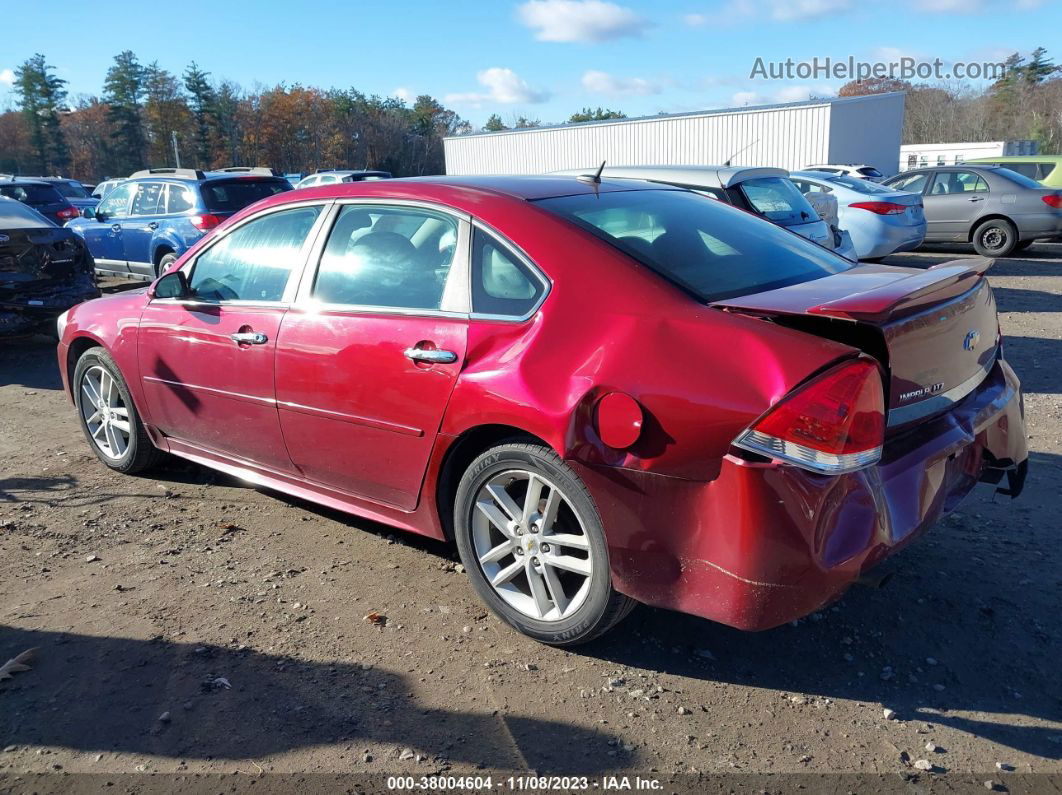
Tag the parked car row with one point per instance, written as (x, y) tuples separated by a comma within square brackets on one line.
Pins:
[(738, 425)]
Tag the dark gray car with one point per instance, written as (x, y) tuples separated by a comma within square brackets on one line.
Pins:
[(996, 209)]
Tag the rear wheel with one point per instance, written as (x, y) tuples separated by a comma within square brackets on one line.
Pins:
[(995, 238), (164, 263), (108, 417), (532, 542)]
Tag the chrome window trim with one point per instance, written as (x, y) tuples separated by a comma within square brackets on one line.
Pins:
[(453, 305), (521, 255), (297, 270)]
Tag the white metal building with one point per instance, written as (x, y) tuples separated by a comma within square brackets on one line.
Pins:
[(948, 154), (847, 130)]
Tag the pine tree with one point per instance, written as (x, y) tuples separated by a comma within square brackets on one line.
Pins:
[(203, 101), (41, 97), (123, 91), (596, 114), (494, 124)]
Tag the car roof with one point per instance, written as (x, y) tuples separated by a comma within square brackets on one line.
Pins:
[(701, 176), (40, 183), (465, 190), (1016, 159)]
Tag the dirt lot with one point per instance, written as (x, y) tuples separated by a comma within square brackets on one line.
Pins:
[(188, 623)]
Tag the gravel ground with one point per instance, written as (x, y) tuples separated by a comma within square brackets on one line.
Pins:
[(187, 623)]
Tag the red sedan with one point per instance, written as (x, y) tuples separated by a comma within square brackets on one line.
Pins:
[(604, 392)]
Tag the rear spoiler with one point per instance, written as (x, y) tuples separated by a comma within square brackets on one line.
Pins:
[(937, 283), (889, 292)]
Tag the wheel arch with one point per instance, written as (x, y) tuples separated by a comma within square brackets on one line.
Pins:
[(468, 446), (75, 351)]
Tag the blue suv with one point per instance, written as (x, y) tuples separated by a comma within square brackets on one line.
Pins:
[(146, 222)]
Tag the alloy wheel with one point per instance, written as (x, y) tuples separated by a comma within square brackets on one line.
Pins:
[(531, 544), (104, 412)]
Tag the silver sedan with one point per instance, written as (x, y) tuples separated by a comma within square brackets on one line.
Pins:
[(998, 210), (881, 220)]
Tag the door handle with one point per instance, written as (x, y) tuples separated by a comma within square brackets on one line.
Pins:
[(430, 355), (153, 225), (116, 227), (249, 338), (976, 199)]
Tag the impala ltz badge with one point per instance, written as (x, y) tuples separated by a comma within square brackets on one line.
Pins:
[(924, 391), (972, 338)]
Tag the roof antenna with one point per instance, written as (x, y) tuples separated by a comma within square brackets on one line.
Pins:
[(596, 178), (739, 151)]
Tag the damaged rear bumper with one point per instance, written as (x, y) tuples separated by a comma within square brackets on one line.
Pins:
[(766, 543), (23, 312)]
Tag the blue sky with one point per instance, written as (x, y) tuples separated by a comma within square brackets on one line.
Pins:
[(539, 58)]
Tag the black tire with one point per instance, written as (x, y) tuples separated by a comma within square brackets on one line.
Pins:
[(602, 606), (995, 238), (164, 263), (140, 454)]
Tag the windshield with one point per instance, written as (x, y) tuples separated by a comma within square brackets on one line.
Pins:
[(71, 190), (711, 249), (778, 200), (33, 195), (860, 185), (1014, 176), (233, 195)]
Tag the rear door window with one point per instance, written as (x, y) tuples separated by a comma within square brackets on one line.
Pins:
[(233, 195), (379, 256), (147, 199), (254, 261)]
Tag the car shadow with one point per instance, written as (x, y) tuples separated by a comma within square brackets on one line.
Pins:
[(188, 701), (948, 636), (1032, 262), (29, 361)]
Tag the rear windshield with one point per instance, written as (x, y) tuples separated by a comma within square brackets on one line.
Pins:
[(33, 195), (860, 185), (711, 249), (869, 171), (71, 190), (1014, 176), (233, 195), (15, 215), (778, 200)]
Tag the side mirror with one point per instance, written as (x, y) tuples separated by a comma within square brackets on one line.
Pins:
[(172, 285), (88, 212)]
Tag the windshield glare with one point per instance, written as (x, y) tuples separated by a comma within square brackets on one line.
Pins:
[(778, 200), (711, 249), (71, 190)]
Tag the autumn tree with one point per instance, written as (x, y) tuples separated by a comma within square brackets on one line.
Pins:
[(165, 113), (873, 85), (41, 97)]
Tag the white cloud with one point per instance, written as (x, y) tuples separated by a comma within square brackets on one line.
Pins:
[(580, 20), (783, 11), (782, 95), (503, 87), (604, 83), (403, 94), (947, 6), (7, 77)]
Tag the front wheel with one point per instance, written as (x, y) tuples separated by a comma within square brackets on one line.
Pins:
[(995, 238), (532, 542), (164, 264), (108, 417)]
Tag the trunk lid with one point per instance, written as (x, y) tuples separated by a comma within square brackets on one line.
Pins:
[(39, 258), (935, 331)]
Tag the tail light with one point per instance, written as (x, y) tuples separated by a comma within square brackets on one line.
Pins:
[(881, 208), (204, 221), (1053, 200), (833, 424), (67, 214)]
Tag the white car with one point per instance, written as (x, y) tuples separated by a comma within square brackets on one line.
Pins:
[(825, 205), (856, 170)]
